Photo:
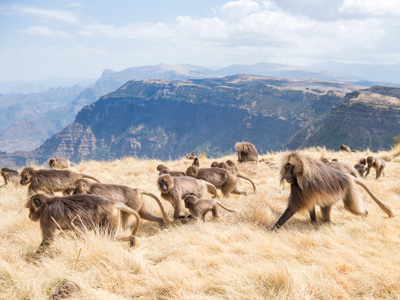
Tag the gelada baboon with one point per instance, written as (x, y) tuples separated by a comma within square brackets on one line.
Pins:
[(345, 148), (314, 183), (174, 189), (9, 176), (61, 163), (78, 212), (361, 167), (214, 164), (50, 181), (200, 207), (377, 163), (220, 178), (125, 194), (246, 152), (190, 156), (165, 170), (196, 162)]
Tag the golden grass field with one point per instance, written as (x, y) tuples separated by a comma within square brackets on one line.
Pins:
[(237, 257)]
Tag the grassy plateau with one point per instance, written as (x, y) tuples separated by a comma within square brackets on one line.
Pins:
[(235, 257)]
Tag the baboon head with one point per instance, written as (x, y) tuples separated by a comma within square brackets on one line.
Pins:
[(36, 204), (363, 161), (230, 163), (214, 164), (52, 163), (26, 175), (293, 169), (192, 171), (81, 186), (222, 165), (196, 162), (165, 183), (190, 200), (161, 167), (370, 160)]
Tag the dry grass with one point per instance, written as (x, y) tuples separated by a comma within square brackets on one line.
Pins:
[(234, 258)]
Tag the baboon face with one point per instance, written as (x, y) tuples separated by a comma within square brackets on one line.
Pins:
[(51, 163), (80, 187), (165, 183), (26, 176), (289, 174), (362, 161), (191, 171), (370, 160), (230, 163), (35, 205), (214, 164), (160, 167)]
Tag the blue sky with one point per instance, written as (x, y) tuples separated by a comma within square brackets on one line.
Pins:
[(81, 38)]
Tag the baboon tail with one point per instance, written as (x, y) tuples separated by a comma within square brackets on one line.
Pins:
[(75, 166), (122, 207), (213, 188), (166, 219), (90, 177), (224, 207), (244, 177), (380, 203)]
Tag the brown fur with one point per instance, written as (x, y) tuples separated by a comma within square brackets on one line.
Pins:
[(190, 156), (314, 183), (377, 163), (214, 164), (246, 152), (165, 170), (200, 207), (360, 169), (196, 162), (344, 168), (50, 181), (77, 211), (221, 178), (345, 148), (10, 176), (133, 198), (60, 163), (174, 189)]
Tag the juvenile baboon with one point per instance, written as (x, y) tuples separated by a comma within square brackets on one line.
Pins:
[(61, 163), (200, 207), (165, 170), (10, 176), (363, 161), (246, 152), (377, 163), (232, 165), (174, 189), (196, 162), (214, 164), (50, 181), (361, 168), (190, 156), (220, 178), (78, 211), (345, 148), (314, 183), (133, 198)]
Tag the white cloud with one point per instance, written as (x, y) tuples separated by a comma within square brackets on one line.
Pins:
[(371, 7), (44, 31), (45, 14)]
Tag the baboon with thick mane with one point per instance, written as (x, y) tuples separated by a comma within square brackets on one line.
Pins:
[(50, 181), (60, 163), (314, 183), (220, 178), (200, 207), (174, 189), (246, 152), (165, 170), (133, 198), (78, 211), (10, 176), (377, 163)]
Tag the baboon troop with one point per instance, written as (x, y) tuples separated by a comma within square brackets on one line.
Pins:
[(345, 148), (10, 176), (314, 183), (174, 190), (246, 152), (50, 181), (76, 212), (122, 193), (377, 163), (220, 178), (60, 163), (200, 207)]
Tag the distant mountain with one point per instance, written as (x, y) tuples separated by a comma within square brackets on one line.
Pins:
[(166, 119)]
